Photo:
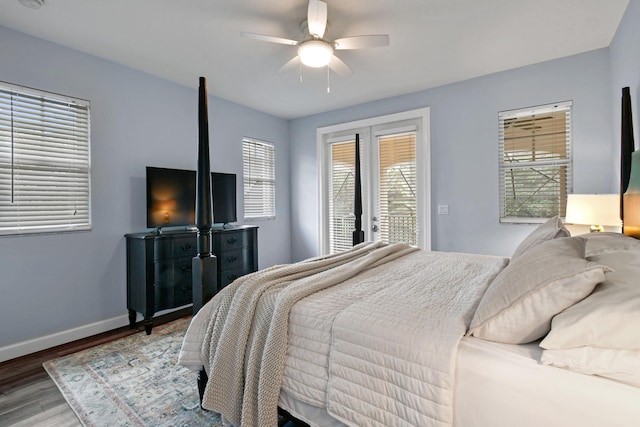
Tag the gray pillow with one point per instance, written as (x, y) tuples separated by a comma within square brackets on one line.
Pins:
[(546, 279), (551, 229)]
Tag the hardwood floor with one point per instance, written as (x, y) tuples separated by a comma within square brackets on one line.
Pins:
[(28, 397)]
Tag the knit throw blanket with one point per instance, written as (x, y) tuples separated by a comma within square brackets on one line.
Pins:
[(246, 338)]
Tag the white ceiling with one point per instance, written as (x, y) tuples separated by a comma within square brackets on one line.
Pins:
[(433, 42)]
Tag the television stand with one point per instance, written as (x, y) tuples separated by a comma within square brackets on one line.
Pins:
[(159, 266)]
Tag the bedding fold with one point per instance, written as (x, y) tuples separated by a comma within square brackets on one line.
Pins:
[(393, 353), (245, 340), (385, 352)]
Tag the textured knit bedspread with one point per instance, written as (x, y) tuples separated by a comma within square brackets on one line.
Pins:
[(372, 341)]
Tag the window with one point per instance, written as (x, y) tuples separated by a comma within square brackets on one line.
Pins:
[(394, 160), (535, 162), (341, 201), (258, 160), (44, 162), (397, 187)]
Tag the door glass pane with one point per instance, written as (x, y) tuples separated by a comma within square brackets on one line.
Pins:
[(341, 195), (397, 186)]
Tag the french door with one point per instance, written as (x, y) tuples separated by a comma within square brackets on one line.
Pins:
[(395, 184)]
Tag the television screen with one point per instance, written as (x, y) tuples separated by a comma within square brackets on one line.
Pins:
[(224, 197), (170, 197)]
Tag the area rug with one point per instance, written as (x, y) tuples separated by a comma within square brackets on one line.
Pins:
[(133, 381)]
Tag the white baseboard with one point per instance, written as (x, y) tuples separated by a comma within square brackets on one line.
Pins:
[(37, 344)]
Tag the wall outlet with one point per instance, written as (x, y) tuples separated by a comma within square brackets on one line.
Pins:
[(443, 209)]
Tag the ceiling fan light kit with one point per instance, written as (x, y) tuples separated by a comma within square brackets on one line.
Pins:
[(315, 53), (315, 50)]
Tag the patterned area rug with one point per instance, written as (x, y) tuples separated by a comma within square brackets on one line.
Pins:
[(134, 381)]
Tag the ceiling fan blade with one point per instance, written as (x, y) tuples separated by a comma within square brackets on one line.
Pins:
[(362, 42), (271, 39), (317, 18), (289, 65), (339, 66)]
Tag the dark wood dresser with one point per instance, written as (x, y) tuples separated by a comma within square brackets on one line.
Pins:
[(159, 266)]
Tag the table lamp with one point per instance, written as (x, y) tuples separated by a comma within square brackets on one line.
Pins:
[(595, 210)]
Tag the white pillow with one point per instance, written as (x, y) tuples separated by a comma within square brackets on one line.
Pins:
[(600, 243), (551, 229), (620, 365), (546, 279), (610, 316)]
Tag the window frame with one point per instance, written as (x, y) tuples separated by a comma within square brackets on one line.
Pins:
[(503, 166), (45, 161), (267, 211), (372, 128)]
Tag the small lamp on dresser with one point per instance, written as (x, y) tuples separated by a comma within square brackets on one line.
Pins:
[(595, 210)]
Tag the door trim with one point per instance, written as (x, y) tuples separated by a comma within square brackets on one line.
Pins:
[(327, 134)]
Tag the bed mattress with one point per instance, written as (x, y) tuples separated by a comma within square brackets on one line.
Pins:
[(502, 385)]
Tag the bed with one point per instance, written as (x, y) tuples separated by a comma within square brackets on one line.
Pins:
[(389, 335)]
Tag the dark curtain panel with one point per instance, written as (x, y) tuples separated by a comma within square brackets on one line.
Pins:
[(627, 146), (358, 234)]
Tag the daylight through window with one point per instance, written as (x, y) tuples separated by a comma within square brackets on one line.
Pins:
[(259, 179), (535, 162), (44, 162)]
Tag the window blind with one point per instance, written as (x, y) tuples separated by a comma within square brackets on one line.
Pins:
[(535, 162), (341, 196), (259, 179), (397, 186), (44, 162)]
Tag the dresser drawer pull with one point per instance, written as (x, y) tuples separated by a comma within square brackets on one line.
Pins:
[(186, 268), (186, 247), (232, 277), (232, 240), (232, 258)]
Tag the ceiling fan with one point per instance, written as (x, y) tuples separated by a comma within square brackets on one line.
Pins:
[(316, 51)]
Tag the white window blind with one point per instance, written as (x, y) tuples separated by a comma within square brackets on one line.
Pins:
[(397, 187), (259, 179), (44, 162), (535, 162), (341, 196)]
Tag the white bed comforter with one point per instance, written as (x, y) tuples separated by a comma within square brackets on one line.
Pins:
[(387, 336)]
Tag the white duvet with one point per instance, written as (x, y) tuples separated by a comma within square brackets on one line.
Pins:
[(379, 348)]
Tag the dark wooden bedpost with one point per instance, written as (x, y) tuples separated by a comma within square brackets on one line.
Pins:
[(627, 147), (358, 234), (204, 263)]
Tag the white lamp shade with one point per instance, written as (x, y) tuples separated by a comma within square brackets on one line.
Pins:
[(594, 209), (315, 53)]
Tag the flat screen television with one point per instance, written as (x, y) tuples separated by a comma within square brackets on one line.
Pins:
[(171, 197), (223, 186)]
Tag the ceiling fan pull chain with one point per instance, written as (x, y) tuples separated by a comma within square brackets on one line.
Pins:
[(300, 67), (328, 82)]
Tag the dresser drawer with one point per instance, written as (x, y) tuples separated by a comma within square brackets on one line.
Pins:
[(170, 271), (231, 241), (232, 260), (172, 296), (174, 247)]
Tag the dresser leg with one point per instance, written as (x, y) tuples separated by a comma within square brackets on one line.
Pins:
[(148, 325), (132, 318)]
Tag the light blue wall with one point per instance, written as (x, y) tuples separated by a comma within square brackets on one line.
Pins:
[(55, 282), (625, 71), (464, 148), (51, 283)]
